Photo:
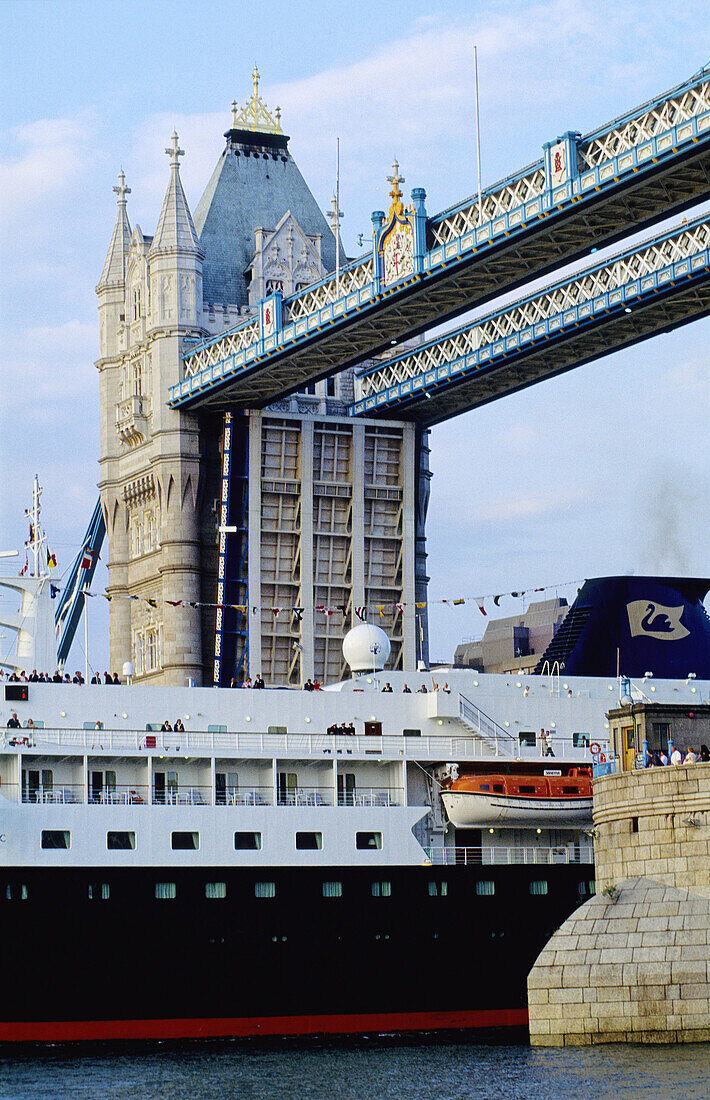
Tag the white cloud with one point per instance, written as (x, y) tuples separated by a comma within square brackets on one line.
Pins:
[(48, 158)]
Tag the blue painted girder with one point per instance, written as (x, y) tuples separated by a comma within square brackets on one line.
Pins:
[(667, 285), (665, 171)]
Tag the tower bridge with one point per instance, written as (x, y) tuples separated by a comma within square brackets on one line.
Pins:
[(632, 296), (276, 497), (583, 193)]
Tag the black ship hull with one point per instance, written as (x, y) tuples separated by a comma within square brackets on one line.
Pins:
[(92, 953)]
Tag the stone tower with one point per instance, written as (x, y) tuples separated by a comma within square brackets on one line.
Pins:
[(325, 507)]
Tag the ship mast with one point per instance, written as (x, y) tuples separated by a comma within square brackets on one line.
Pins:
[(37, 539)]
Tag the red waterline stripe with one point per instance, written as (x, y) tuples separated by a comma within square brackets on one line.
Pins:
[(67, 1031)]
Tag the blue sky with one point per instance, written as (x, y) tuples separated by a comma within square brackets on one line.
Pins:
[(602, 471)]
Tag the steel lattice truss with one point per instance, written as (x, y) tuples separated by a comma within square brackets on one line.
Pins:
[(662, 284), (639, 132), (638, 169)]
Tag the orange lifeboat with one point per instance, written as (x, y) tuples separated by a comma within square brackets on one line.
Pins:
[(519, 801)]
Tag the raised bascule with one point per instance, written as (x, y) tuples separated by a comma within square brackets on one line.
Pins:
[(264, 458)]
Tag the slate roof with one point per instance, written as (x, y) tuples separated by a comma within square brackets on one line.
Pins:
[(114, 270), (256, 181), (175, 226)]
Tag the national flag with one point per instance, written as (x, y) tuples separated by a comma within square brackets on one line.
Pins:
[(88, 558)]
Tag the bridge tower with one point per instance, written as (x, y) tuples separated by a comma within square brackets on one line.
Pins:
[(325, 513)]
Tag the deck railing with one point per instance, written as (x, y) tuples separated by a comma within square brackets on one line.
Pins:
[(495, 856)]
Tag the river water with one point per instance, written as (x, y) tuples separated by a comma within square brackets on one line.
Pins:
[(424, 1068)]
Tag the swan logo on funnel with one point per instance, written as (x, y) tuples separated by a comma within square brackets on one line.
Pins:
[(655, 620)]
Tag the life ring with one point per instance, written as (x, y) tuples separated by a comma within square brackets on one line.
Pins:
[(595, 747)]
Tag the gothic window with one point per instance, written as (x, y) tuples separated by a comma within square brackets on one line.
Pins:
[(330, 387), (274, 284), (136, 303), (137, 540), (149, 533), (137, 378), (139, 652)]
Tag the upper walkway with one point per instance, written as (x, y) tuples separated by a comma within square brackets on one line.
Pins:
[(582, 193)]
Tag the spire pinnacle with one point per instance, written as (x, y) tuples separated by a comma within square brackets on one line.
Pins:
[(122, 190), (175, 152), (255, 115), (395, 194)]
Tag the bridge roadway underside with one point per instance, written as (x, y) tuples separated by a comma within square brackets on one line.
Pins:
[(557, 238), (571, 348)]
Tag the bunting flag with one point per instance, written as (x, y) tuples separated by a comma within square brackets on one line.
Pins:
[(25, 567), (54, 591), (394, 608), (51, 560)]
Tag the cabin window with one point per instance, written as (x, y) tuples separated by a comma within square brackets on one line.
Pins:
[(581, 740), (437, 889), (165, 891), (485, 887), (332, 889), (16, 891), (538, 886), (527, 738), (186, 842), (264, 889), (526, 789), (247, 842), (365, 841), (215, 889), (120, 841), (498, 788), (99, 891), (411, 733), (381, 889), (570, 790), (484, 787), (309, 841), (56, 838)]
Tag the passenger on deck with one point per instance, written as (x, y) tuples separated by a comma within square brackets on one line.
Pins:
[(350, 729), (406, 690), (247, 682), (107, 677), (259, 682), (676, 757), (14, 722), (57, 678), (166, 727), (116, 679), (308, 686), (548, 744), (387, 687), (690, 756), (422, 690), (96, 679), (178, 727)]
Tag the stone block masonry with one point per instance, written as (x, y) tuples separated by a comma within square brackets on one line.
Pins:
[(633, 965)]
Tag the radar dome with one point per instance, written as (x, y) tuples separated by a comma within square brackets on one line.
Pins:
[(366, 648)]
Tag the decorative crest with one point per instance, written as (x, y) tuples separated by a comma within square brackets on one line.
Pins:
[(255, 115), (175, 152), (395, 179), (122, 190)]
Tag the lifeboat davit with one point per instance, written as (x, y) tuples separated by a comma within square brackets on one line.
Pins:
[(519, 801)]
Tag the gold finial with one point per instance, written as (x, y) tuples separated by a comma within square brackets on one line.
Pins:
[(395, 194), (255, 115)]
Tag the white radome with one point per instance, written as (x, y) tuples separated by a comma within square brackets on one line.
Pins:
[(366, 648)]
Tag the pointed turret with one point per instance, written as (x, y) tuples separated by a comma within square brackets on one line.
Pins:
[(175, 257), (175, 227), (114, 270)]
